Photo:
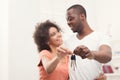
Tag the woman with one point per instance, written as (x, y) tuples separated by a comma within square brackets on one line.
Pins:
[(53, 63)]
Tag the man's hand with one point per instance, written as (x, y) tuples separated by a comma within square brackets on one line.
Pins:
[(84, 52), (101, 77)]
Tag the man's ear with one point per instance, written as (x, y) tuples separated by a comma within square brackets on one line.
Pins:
[(82, 16)]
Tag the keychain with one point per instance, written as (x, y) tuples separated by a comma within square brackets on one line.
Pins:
[(73, 61)]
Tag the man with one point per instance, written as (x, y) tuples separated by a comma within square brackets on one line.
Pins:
[(90, 48)]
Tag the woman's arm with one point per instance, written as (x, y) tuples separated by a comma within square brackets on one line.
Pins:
[(50, 65)]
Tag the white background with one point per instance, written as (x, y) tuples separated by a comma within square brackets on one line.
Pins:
[(18, 52)]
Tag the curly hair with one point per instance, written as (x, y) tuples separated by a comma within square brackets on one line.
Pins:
[(41, 34)]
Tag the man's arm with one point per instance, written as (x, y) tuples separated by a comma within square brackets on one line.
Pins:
[(103, 55)]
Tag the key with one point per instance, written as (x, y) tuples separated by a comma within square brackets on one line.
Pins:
[(73, 61)]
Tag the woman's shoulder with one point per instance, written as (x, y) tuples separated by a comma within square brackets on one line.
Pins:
[(45, 53)]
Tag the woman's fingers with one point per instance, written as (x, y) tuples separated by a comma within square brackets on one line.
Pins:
[(64, 50)]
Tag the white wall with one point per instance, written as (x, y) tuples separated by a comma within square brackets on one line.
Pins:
[(23, 56), (108, 17), (105, 16), (23, 15), (3, 39)]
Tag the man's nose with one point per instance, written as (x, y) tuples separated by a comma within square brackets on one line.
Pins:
[(68, 22)]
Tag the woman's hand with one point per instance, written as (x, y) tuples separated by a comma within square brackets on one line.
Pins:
[(62, 52)]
